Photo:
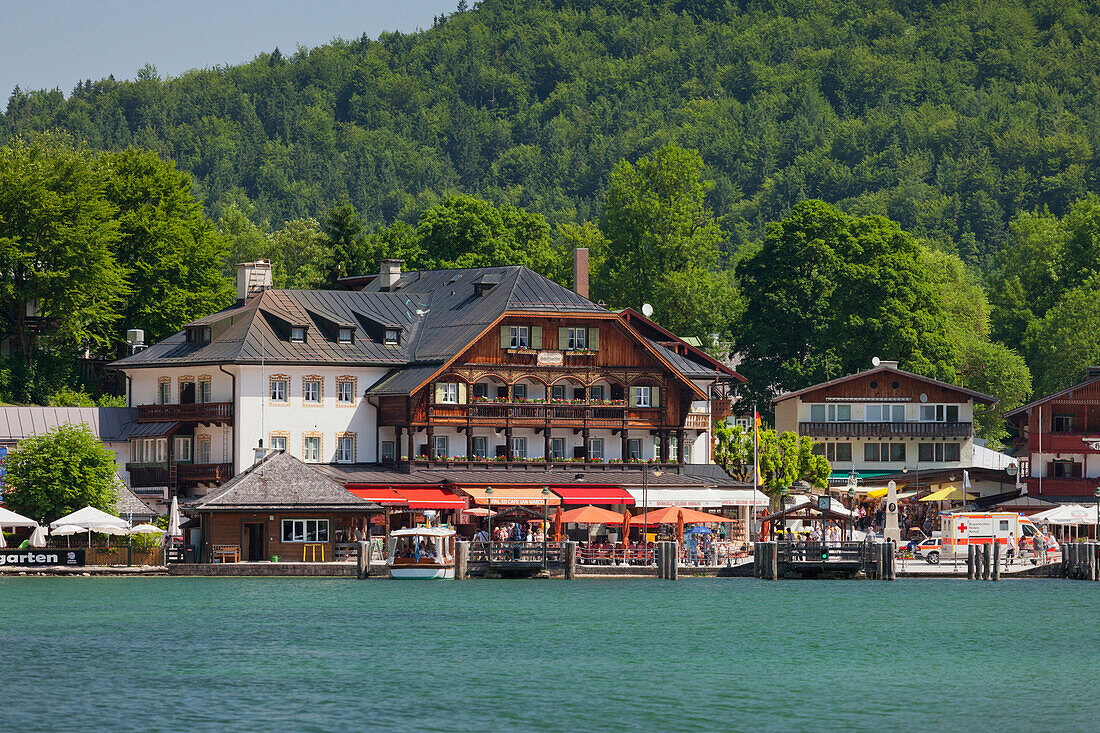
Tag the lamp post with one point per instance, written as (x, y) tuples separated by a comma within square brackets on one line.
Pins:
[(645, 504), (852, 509), (489, 518), (545, 507), (783, 510)]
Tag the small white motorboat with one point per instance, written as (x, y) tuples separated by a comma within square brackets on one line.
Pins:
[(422, 553)]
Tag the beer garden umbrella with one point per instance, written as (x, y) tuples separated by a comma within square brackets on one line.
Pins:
[(557, 525), (668, 515), (38, 537), (146, 529), (626, 527), (174, 518), (590, 515)]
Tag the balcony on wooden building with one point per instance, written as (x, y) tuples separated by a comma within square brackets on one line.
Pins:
[(209, 413), (857, 429), (145, 475)]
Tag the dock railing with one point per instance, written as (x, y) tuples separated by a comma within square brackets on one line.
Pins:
[(839, 552)]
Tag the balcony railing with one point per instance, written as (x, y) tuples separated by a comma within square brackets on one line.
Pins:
[(209, 412), (206, 472), (885, 429), (697, 421), (534, 414), (144, 476)]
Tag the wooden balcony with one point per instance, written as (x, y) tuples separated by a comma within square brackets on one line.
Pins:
[(697, 421), (1082, 487), (204, 472), (214, 413), (143, 476), (885, 429), (537, 415), (1064, 442)]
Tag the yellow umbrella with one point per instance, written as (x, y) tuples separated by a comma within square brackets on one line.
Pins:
[(949, 494)]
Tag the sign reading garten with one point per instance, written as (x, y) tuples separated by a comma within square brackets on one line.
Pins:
[(36, 556)]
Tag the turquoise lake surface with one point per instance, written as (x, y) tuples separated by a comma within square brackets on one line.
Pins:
[(312, 654)]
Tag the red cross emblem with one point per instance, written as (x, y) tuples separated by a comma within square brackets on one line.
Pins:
[(962, 526)]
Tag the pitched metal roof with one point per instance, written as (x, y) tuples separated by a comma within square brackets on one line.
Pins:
[(150, 429), (281, 481), (106, 423), (682, 364), (439, 312), (978, 396), (403, 381)]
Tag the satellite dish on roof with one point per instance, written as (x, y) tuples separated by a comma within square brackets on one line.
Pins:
[(647, 310), (875, 361)]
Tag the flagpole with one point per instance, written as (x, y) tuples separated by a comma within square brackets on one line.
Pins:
[(755, 470)]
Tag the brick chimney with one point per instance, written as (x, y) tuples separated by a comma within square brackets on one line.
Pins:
[(580, 271), (252, 278), (391, 273)]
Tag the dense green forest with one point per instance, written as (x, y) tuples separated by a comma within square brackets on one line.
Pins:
[(954, 143)]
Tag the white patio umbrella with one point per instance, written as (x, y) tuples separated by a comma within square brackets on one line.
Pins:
[(9, 518), (66, 529), (38, 537), (3, 542), (110, 529), (146, 529), (174, 518), (93, 520)]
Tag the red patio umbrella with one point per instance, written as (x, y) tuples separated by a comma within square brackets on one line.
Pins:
[(626, 527), (680, 526), (557, 525)]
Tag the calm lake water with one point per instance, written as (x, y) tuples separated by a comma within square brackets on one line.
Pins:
[(187, 654)]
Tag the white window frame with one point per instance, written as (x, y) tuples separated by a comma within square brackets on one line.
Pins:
[(578, 339), (448, 394), (817, 414), (162, 450), (521, 337), (345, 449), (345, 336), (204, 447), (391, 337), (440, 447), (480, 445), (631, 455), (645, 396), (595, 449), (285, 389), (311, 391), (311, 456), (278, 442), (298, 334), (557, 449), (205, 391), (164, 393), (304, 530), (345, 394), (519, 447), (389, 450)]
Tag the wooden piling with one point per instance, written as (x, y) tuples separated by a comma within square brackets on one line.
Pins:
[(987, 562), (462, 559), (363, 561), (1071, 565), (996, 570), (674, 560), (773, 561), (971, 562), (570, 560), (1064, 569), (1090, 550), (756, 559)]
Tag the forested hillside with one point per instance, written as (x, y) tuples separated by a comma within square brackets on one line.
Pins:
[(946, 117), (815, 182)]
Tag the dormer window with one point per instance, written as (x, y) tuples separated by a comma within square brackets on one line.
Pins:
[(346, 336), (199, 335), (298, 334), (392, 337)]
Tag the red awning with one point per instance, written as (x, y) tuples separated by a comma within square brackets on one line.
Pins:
[(383, 495), (431, 498), (579, 494)]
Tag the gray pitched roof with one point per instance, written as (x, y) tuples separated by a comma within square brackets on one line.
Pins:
[(439, 313), (682, 364), (106, 423), (281, 481), (128, 502)]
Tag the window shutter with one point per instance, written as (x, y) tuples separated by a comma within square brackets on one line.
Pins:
[(633, 397), (536, 337), (438, 392), (461, 393), (594, 339), (563, 338), (505, 337), (655, 398)]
